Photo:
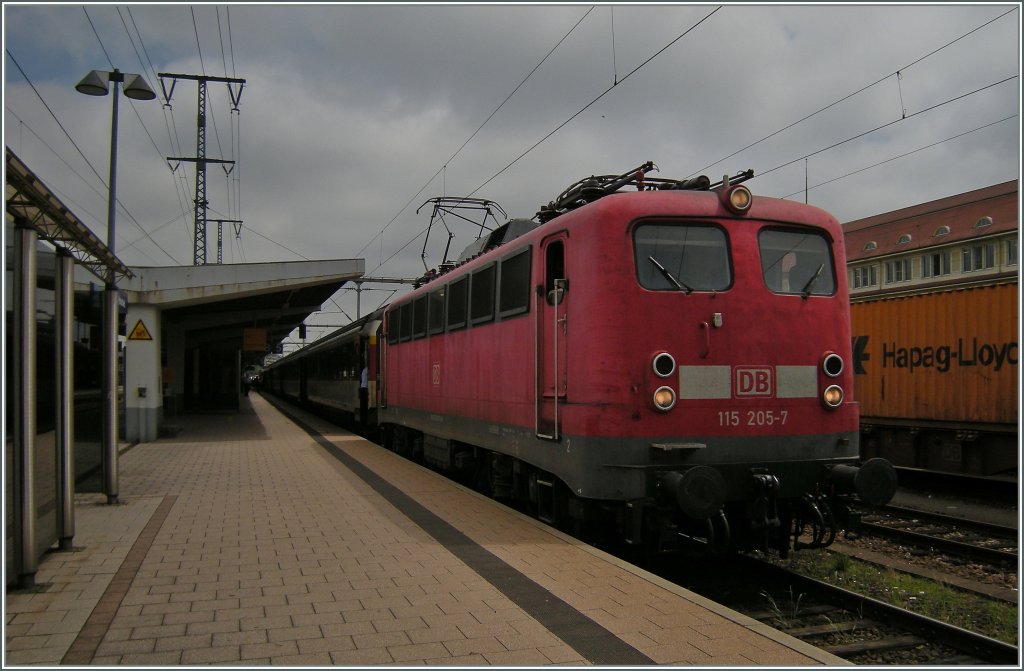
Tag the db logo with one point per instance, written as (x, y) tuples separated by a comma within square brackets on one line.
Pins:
[(753, 382), (435, 373)]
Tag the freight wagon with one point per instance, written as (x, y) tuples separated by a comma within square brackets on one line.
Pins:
[(937, 379)]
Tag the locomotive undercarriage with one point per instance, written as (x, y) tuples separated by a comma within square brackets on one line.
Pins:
[(764, 523), (686, 513)]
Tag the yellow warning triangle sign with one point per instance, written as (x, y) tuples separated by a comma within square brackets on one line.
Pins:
[(139, 332)]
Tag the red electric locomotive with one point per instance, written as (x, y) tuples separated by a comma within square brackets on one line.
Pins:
[(669, 361)]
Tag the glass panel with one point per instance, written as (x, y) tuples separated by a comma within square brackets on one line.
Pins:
[(405, 327), (436, 310), (796, 262), (678, 257), (419, 317), (458, 293), (515, 284), (394, 324), (481, 302)]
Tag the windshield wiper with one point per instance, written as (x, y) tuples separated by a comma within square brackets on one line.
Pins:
[(810, 282), (671, 278)]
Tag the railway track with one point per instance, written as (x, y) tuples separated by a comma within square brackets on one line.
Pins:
[(973, 541), (852, 626)]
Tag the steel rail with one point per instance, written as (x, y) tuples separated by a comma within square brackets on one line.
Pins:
[(957, 548), (988, 649), (963, 522)]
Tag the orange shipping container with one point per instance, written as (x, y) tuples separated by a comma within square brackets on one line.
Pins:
[(941, 358)]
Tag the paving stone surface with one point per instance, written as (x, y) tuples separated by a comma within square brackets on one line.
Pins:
[(242, 540)]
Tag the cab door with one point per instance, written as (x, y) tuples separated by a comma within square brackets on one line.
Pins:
[(551, 315)]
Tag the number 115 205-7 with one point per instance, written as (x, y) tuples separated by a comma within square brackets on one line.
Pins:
[(752, 417)]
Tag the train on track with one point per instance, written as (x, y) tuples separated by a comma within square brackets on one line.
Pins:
[(935, 320), (664, 361)]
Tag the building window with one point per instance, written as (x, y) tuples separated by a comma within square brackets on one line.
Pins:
[(935, 265), (870, 246), (1011, 252), (979, 257), (983, 222), (897, 271), (904, 239), (941, 230), (865, 277)]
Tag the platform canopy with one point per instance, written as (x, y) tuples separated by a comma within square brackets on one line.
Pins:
[(30, 203), (217, 302)]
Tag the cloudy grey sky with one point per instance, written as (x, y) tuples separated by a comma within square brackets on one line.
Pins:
[(353, 115)]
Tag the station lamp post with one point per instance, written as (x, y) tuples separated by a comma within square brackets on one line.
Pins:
[(97, 83)]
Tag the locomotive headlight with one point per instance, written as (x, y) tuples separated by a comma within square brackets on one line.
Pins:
[(663, 364), (737, 199), (833, 396), (832, 364), (664, 399)]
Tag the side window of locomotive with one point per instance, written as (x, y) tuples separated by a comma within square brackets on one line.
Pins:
[(514, 289), (458, 295), (796, 262), (405, 327), (435, 310), (481, 295), (394, 326), (419, 317), (682, 257)]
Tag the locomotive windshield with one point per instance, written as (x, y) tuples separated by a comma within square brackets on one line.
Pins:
[(796, 262), (682, 257)]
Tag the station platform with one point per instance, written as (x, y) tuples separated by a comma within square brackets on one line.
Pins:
[(249, 538)]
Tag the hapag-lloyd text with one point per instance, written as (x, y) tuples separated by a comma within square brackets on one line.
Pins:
[(943, 357)]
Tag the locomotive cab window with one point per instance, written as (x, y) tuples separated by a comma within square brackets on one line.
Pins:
[(796, 262), (682, 257)]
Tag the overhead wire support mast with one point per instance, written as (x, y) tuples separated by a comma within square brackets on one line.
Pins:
[(220, 234), (199, 242)]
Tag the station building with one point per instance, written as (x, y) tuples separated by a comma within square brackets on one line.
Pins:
[(184, 336), (962, 240)]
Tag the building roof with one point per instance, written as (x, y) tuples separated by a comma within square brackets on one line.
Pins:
[(960, 214)]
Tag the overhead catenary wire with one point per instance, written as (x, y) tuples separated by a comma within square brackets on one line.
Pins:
[(103, 181), (391, 257), (904, 155), (886, 125), (567, 121), (855, 93), (479, 128), (908, 116), (181, 187), (592, 102), (142, 124)]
